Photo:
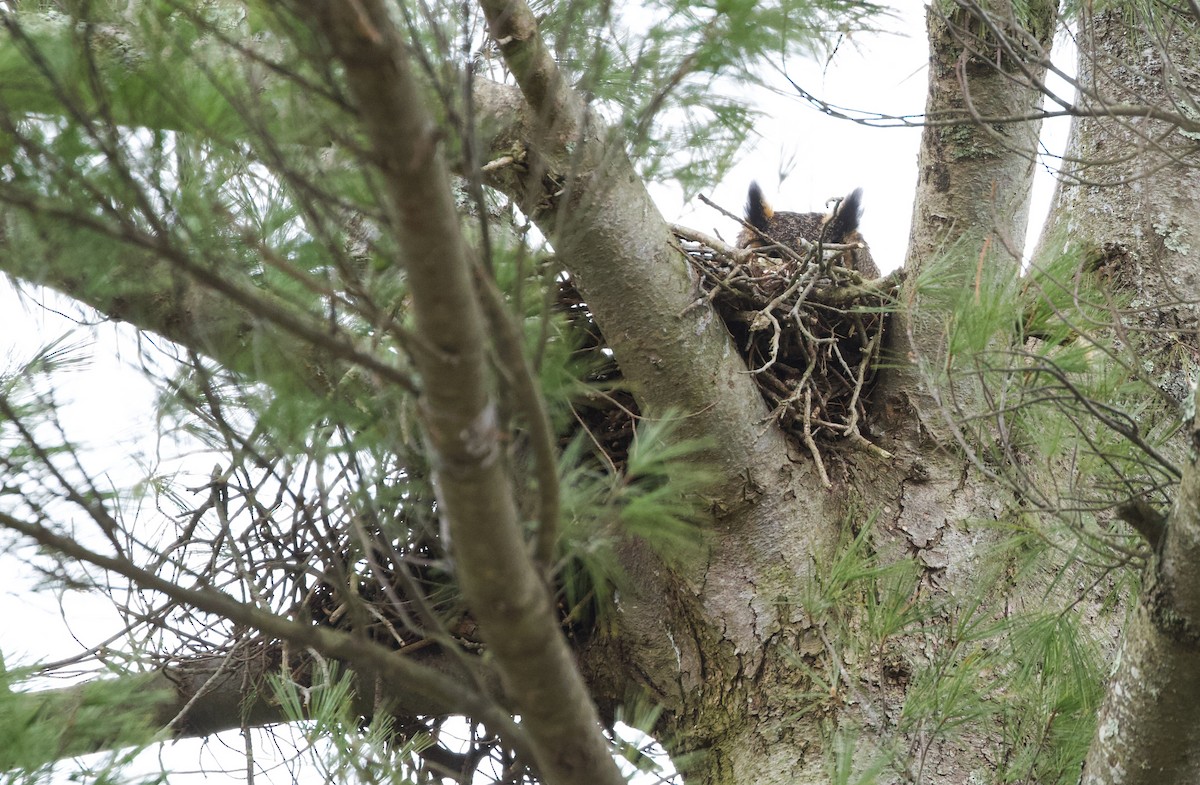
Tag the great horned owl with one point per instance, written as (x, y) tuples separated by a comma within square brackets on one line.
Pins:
[(840, 226)]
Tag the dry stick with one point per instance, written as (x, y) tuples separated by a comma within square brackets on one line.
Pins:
[(766, 310), (431, 628), (780, 394), (869, 357), (776, 331), (722, 284), (727, 252), (719, 284), (802, 384), (849, 430), (852, 433), (808, 440), (507, 341), (837, 355), (802, 388)]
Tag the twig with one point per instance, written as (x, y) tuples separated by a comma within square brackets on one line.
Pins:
[(771, 241), (808, 440), (728, 252)]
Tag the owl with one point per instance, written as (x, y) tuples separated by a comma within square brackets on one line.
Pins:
[(839, 226)]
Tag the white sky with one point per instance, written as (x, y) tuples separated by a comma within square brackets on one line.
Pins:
[(884, 72)]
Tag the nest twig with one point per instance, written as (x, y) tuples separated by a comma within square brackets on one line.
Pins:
[(810, 332)]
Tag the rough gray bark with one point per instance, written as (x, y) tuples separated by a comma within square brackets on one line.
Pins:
[(975, 179), (199, 697), (1149, 726), (1132, 198), (1130, 191), (977, 154), (972, 207), (698, 653), (751, 716)]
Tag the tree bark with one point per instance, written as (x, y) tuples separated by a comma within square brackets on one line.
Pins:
[(498, 578), (583, 191), (751, 717), (1148, 729), (195, 698), (970, 215), (974, 184), (695, 636), (1131, 197), (977, 154), (1130, 192)]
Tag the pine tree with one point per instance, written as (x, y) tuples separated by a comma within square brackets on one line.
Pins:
[(455, 436)]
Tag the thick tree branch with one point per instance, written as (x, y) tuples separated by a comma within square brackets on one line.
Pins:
[(497, 576), (191, 698), (514, 28), (975, 180), (576, 182), (560, 165), (1149, 726), (974, 188)]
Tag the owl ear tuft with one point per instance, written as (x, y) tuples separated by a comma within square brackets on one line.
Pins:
[(758, 212), (844, 221)]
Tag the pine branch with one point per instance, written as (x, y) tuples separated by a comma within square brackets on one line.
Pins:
[(475, 492)]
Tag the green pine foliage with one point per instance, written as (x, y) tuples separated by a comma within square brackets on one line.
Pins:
[(1046, 392), (108, 713), (924, 668), (681, 86), (234, 187), (338, 744), (656, 497)]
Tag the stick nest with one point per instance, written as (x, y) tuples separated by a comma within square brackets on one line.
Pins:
[(809, 329)]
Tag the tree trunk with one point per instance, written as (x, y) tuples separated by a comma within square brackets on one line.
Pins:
[(1130, 193), (1131, 196), (978, 151), (772, 687)]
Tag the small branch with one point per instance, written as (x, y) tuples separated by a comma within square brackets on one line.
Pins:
[(811, 370), (783, 248), (808, 440), (499, 581), (727, 252), (528, 392)]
